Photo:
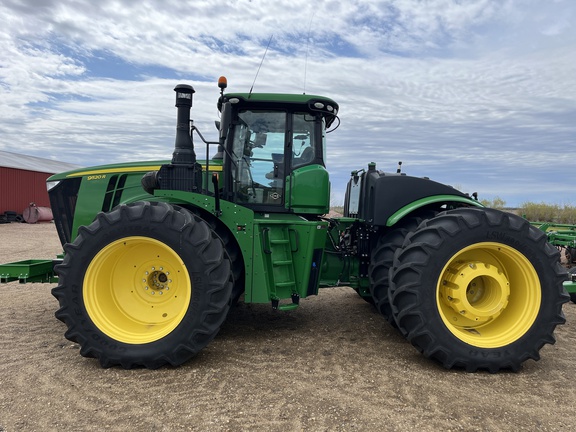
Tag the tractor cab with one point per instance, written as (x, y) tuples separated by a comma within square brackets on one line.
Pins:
[(274, 151)]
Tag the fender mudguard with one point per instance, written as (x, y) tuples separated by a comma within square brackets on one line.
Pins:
[(388, 198)]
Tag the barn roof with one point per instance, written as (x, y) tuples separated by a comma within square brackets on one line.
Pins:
[(32, 163)]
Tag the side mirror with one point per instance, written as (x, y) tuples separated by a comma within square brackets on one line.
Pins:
[(260, 140)]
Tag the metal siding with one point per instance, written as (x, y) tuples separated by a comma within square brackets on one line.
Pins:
[(18, 188), (33, 163)]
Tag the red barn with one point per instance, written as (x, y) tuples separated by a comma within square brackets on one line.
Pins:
[(23, 180)]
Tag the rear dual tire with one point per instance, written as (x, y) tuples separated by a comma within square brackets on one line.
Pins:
[(383, 258), (477, 289)]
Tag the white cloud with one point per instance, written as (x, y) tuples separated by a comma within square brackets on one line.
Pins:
[(477, 93)]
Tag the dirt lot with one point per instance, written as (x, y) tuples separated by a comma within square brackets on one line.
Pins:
[(333, 364)]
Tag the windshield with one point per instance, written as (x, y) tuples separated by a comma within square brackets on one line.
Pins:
[(258, 156), (267, 145)]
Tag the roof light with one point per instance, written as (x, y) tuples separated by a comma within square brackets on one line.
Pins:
[(318, 105), (330, 108), (222, 82), (233, 100)]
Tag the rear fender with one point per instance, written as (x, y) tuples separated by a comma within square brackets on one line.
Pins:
[(450, 201), (388, 198)]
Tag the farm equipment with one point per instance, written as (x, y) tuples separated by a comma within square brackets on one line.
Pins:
[(563, 236), (156, 253)]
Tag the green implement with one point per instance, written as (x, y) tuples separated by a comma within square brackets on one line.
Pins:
[(41, 271)]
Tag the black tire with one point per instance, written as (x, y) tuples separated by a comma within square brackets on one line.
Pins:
[(232, 250), (572, 271), (478, 289), (382, 259), (146, 284), (571, 255)]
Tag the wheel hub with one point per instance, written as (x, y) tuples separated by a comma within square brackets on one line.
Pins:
[(156, 281), (488, 295), (477, 291), (137, 290)]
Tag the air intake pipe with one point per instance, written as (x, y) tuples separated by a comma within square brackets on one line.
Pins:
[(184, 173), (183, 147)]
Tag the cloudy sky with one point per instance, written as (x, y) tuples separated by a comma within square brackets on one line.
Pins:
[(480, 94)]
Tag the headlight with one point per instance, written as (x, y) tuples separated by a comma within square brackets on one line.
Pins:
[(52, 184)]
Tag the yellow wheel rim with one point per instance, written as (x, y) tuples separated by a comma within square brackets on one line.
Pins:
[(137, 290), (488, 295)]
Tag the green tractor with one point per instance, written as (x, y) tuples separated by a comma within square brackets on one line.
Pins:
[(156, 253)]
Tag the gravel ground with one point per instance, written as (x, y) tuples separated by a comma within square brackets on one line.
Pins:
[(333, 364)]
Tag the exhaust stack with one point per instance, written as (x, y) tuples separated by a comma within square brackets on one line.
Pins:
[(184, 173), (183, 147)]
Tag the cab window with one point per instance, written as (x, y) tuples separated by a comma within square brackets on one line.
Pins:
[(258, 157), (303, 142)]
